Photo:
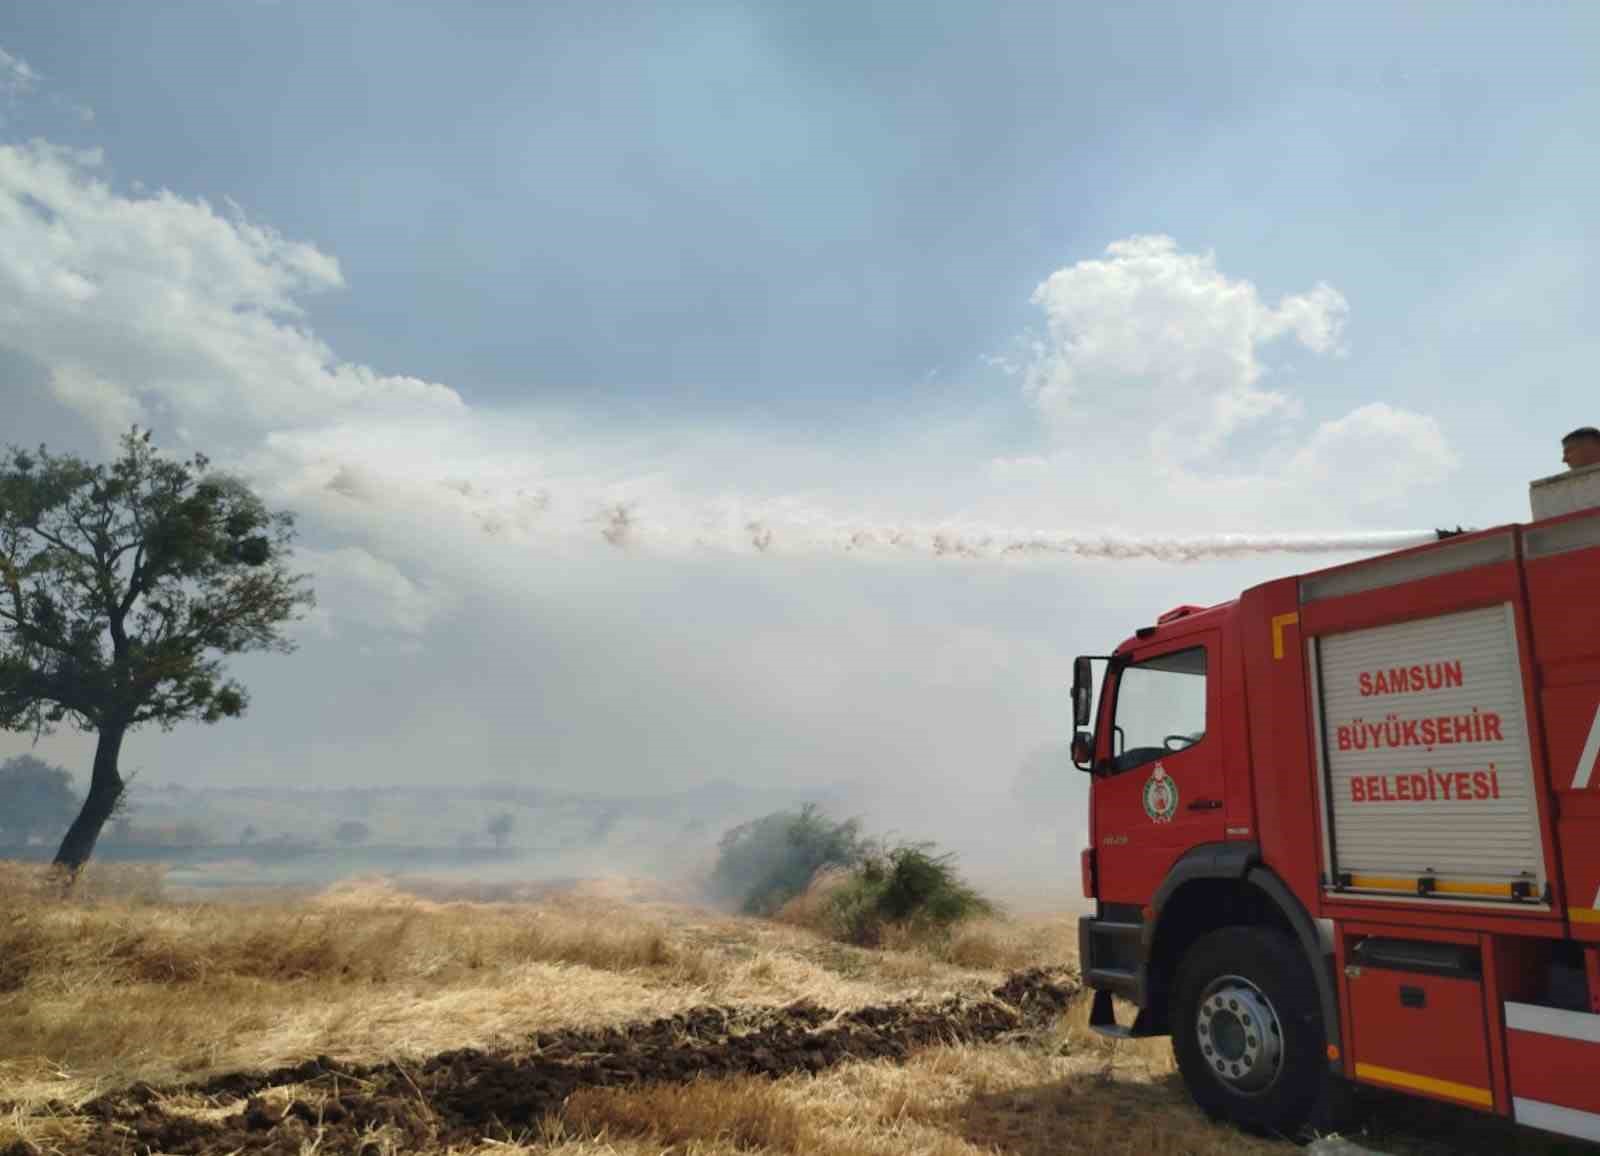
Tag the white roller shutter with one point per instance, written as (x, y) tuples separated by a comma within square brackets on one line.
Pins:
[(1460, 812)]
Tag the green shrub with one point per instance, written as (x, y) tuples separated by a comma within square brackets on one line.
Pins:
[(764, 863), (907, 886)]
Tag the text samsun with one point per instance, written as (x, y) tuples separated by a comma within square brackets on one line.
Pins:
[(1413, 679)]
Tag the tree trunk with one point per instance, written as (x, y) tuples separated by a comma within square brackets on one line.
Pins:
[(105, 788)]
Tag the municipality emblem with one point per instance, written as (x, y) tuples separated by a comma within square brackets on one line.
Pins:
[(1160, 796)]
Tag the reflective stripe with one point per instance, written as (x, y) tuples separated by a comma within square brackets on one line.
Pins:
[(1446, 887), (1550, 1021), (1278, 623), (1410, 1080), (1554, 1118), (1440, 886), (1583, 914), (1382, 883), (1591, 748)]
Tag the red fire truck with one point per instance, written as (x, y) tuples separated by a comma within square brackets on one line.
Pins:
[(1347, 828)]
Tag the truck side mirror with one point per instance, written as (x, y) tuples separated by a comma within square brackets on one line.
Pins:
[(1083, 750), (1082, 690)]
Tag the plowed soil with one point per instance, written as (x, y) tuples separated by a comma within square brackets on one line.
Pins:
[(465, 1096)]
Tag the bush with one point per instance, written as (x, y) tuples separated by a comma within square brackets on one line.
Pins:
[(764, 863), (908, 886), (813, 907)]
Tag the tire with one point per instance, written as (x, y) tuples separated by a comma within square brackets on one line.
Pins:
[(1229, 984)]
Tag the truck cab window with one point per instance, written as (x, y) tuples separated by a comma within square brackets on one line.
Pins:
[(1161, 708)]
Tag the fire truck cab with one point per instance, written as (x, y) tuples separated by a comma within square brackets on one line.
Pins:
[(1346, 827)]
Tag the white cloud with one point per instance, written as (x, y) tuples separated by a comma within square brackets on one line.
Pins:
[(159, 308), (166, 304), (16, 77), (1376, 453), (1156, 339), (19, 82), (1156, 352), (370, 590), (108, 407), (1026, 467), (1316, 318)]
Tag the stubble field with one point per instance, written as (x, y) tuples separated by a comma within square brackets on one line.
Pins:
[(607, 1017)]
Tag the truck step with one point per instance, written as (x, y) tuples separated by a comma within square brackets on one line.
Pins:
[(1113, 980), (1115, 929)]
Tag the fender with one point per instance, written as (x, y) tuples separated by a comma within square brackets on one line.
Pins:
[(1311, 943), (1207, 861), (1240, 862), (1118, 952)]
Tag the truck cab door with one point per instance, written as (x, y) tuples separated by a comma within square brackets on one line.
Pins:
[(1158, 787)]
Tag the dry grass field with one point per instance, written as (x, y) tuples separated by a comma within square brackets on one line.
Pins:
[(604, 1018)]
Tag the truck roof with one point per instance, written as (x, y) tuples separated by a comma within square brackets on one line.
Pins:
[(1187, 619), (1180, 621), (1562, 498)]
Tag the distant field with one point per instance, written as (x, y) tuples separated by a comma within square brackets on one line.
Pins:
[(593, 1017)]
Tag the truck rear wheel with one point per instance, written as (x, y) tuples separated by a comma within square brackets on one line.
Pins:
[(1247, 1029)]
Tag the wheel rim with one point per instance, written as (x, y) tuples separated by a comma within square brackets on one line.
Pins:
[(1241, 1038)]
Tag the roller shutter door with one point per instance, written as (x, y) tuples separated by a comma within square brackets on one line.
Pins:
[(1427, 758)]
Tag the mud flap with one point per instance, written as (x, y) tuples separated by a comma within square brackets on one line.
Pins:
[(1103, 1019)]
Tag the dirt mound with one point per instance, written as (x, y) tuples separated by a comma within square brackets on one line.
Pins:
[(463, 1096)]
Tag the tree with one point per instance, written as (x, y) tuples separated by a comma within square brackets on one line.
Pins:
[(120, 587), (36, 798), (499, 829), (351, 831), (764, 863)]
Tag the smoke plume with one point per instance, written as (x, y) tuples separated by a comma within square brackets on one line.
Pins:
[(666, 524)]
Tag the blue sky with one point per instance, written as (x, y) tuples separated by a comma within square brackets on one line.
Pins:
[(809, 211), (1161, 269)]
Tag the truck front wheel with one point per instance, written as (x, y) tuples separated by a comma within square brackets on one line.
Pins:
[(1247, 1029)]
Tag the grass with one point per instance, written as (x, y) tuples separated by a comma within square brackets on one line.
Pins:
[(945, 1101), (977, 942), (121, 982), (115, 984)]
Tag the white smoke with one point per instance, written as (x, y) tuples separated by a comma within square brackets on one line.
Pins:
[(667, 524), (769, 535)]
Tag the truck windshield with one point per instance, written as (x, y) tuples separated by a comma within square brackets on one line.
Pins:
[(1161, 708)]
